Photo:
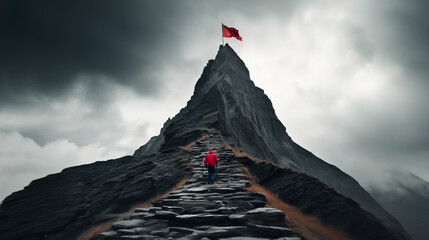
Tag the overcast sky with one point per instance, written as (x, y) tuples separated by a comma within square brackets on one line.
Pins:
[(82, 81)]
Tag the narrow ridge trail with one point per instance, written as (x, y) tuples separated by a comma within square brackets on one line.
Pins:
[(197, 210)]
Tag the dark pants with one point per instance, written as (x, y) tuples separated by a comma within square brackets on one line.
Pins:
[(212, 173)]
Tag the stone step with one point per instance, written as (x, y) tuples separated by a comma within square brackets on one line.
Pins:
[(271, 232), (203, 218), (127, 224), (269, 216)]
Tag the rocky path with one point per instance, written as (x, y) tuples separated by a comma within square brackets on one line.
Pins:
[(223, 210)]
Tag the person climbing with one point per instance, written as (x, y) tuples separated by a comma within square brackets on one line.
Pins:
[(210, 162)]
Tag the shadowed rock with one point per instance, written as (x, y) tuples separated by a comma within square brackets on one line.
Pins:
[(315, 198), (62, 205), (127, 224), (267, 215)]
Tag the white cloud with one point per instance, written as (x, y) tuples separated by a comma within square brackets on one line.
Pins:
[(23, 160), (52, 135)]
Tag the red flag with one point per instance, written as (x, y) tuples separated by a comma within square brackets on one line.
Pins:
[(230, 32)]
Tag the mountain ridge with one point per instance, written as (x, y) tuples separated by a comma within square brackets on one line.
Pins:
[(406, 198), (224, 99)]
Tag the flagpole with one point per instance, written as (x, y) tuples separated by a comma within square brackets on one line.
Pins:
[(222, 33)]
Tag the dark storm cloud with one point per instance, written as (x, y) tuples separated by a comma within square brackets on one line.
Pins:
[(405, 26), (46, 45), (401, 30)]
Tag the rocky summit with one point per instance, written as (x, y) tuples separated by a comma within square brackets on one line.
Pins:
[(267, 186)]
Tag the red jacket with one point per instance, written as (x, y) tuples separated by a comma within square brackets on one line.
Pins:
[(210, 159)]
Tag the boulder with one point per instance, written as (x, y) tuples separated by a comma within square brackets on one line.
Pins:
[(167, 215), (203, 218), (271, 231), (127, 224)]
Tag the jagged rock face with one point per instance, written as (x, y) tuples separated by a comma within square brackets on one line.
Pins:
[(225, 98), (62, 205), (308, 194), (245, 113)]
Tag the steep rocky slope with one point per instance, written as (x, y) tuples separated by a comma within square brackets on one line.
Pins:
[(225, 98), (314, 198), (62, 205)]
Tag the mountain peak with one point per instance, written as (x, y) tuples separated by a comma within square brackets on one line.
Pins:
[(226, 99), (226, 53), (226, 68)]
